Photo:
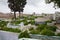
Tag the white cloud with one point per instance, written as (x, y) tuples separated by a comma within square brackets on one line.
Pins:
[(37, 6)]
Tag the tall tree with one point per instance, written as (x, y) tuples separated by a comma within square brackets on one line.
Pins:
[(12, 6), (21, 5), (56, 3), (16, 6)]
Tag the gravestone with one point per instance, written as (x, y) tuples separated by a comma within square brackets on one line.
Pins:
[(9, 25), (21, 25)]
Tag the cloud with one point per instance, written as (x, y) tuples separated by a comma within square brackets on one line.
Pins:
[(37, 6), (33, 2)]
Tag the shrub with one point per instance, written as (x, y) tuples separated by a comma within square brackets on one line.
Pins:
[(58, 34), (52, 28), (3, 23), (41, 27), (25, 23), (32, 22), (24, 34), (31, 29), (49, 21), (11, 29), (16, 22), (34, 32), (47, 32)]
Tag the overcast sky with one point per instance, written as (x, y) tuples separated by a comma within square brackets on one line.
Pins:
[(38, 6)]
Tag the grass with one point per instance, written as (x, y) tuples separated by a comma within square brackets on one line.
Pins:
[(16, 30)]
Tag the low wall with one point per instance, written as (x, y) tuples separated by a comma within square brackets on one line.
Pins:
[(8, 35)]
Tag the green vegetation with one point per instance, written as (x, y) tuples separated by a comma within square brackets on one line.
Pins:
[(3, 27), (47, 32), (58, 34), (41, 27), (15, 22), (31, 29), (32, 22), (52, 28), (3, 23), (34, 32), (10, 29), (25, 20), (49, 21), (24, 34), (44, 29)]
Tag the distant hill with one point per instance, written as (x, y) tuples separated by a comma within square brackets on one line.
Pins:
[(6, 15)]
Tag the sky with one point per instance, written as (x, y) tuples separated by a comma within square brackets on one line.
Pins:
[(37, 6)]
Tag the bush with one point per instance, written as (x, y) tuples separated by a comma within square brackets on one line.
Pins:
[(41, 27), (16, 22), (25, 23), (34, 32), (58, 34), (31, 29), (11, 29), (52, 28), (24, 34), (47, 32), (3, 23), (32, 22), (49, 21)]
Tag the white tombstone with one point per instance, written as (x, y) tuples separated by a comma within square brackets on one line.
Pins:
[(8, 24), (11, 26), (21, 24)]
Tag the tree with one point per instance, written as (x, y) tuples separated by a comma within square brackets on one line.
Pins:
[(22, 5), (56, 3), (16, 6), (12, 6)]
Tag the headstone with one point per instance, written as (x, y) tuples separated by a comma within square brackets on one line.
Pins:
[(21, 24), (8, 24)]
